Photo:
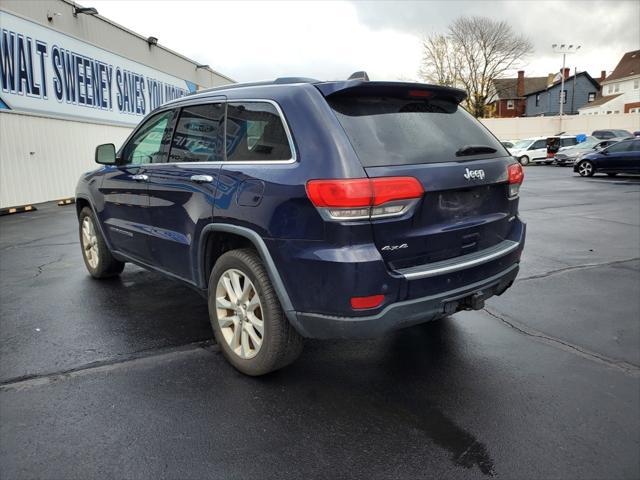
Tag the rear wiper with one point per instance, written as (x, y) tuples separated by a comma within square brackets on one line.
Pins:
[(474, 150)]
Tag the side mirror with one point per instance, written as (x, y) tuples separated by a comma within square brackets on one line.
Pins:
[(106, 154)]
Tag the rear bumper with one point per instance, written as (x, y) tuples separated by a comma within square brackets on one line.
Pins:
[(405, 313)]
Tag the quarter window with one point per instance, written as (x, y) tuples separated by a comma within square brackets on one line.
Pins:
[(198, 136), (148, 144), (255, 133)]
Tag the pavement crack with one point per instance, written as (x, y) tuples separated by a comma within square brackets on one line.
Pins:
[(576, 267), (626, 367), (40, 268), (153, 354)]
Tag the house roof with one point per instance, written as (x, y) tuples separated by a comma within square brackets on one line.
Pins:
[(600, 101), (568, 79), (628, 65), (507, 88)]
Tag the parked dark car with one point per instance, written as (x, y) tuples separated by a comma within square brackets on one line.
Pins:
[(621, 157), (607, 134), (301, 208)]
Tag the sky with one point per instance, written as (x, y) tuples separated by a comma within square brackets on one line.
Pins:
[(329, 40)]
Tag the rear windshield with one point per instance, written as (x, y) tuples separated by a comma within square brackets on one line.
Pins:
[(396, 131)]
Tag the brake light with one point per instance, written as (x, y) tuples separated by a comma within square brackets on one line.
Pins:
[(362, 198), (516, 177), (372, 301), (420, 93)]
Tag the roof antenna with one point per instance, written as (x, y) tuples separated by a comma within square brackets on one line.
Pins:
[(362, 75)]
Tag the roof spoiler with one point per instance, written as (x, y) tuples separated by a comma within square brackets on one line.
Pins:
[(390, 89)]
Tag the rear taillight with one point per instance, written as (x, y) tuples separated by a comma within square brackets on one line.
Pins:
[(516, 176), (363, 198)]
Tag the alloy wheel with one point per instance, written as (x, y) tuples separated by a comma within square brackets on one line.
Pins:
[(89, 242), (239, 313), (585, 169)]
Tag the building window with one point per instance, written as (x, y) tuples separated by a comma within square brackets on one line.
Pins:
[(537, 100), (592, 97), (510, 105), (636, 83), (616, 87), (610, 89), (563, 96)]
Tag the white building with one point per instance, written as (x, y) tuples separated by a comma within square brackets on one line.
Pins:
[(620, 91), (70, 80)]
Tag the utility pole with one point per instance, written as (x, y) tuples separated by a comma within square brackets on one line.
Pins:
[(564, 49)]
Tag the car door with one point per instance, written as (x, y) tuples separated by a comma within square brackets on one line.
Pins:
[(538, 150), (618, 157), (258, 148), (124, 187), (182, 190)]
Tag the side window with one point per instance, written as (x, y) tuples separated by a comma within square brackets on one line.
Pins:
[(538, 144), (147, 145), (255, 133), (619, 147), (198, 134), (635, 146), (567, 142)]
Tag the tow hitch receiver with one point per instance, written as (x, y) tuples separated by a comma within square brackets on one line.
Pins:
[(474, 302)]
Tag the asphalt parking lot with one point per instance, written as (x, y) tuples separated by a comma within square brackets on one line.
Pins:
[(121, 379)]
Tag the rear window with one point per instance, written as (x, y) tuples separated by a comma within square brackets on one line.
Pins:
[(396, 131)]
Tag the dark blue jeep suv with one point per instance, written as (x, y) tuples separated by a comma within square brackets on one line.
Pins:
[(302, 208)]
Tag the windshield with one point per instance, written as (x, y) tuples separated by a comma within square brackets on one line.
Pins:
[(400, 131), (522, 144)]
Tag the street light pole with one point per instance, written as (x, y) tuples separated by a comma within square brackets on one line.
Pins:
[(564, 49)]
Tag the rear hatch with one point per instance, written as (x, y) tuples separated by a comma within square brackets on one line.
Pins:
[(413, 130)]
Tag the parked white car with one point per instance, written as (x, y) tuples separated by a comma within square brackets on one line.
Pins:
[(530, 150), (535, 149)]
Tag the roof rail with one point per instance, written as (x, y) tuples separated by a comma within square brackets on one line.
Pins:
[(277, 81)]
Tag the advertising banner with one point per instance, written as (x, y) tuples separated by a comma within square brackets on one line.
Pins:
[(47, 72)]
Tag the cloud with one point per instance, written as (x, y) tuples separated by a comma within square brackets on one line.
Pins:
[(329, 40)]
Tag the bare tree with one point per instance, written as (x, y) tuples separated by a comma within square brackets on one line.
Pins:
[(440, 62), (474, 52)]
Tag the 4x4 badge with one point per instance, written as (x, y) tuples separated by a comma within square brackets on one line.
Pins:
[(394, 247), (469, 174)]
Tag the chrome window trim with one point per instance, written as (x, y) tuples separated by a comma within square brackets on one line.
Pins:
[(194, 102), (287, 131)]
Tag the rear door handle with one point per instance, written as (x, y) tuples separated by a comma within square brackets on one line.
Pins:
[(202, 178), (141, 177)]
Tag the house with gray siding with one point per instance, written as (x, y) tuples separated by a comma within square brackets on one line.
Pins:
[(579, 91)]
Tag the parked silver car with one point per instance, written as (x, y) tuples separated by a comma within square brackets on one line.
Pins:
[(568, 156)]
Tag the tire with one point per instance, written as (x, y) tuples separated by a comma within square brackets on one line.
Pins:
[(524, 160), (585, 168), (236, 326), (95, 253)]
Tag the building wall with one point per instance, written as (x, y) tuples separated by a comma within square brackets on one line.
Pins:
[(630, 95), (527, 127), (42, 158), (550, 99), (44, 151), (109, 35)]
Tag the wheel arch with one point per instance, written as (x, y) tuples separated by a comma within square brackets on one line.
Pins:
[(217, 234)]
